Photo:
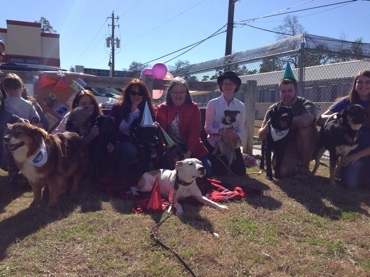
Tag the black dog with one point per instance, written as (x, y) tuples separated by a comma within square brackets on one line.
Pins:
[(339, 136), (229, 117), (146, 139), (277, 139), (102, 160)]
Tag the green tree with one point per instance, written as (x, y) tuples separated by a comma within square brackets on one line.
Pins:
[(46, 26)]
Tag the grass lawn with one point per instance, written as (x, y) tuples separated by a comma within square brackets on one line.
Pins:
[(297, 228)]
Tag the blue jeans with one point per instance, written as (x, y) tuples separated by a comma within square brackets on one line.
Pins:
[(207, 165), (354, 175), (125, 153)]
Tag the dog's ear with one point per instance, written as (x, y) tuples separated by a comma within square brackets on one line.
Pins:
[(271, 111), (178, 164)]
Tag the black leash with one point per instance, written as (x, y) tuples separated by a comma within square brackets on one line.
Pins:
[(225, 165), (157, 240)]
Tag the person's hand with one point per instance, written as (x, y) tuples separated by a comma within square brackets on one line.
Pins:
[(229, 134), (95, 131), (349, 159), (110, 147), (187, 155), (156, 124)]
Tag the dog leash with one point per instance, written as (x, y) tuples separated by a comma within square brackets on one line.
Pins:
[(225, 165), (154, 237)]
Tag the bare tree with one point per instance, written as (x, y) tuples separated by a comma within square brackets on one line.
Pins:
[(290, 27), (136, 66), (180, 64)]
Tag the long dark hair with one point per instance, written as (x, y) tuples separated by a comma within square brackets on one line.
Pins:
[(97, 109), (353, 94), (126, 100)]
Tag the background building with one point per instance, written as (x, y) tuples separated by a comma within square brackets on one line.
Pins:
[(26, 44)]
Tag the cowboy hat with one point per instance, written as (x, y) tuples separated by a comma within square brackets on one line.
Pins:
[(229, 75)]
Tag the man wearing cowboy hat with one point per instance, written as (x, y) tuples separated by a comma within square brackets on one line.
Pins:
[(300, 152), (216, 129)]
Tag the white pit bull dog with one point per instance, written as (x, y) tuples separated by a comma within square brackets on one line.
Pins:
[(177, 184)]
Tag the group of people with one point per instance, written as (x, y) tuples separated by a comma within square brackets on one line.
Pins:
[(355, 172), (179, 118)]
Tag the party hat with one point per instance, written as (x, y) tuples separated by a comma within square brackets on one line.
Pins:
[(168, 139), (288, 73), (155, 201), (147, 117)]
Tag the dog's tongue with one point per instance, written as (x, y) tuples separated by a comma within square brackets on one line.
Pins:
[(12, 147)]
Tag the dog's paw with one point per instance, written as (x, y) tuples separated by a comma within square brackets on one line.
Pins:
[(179, 210)]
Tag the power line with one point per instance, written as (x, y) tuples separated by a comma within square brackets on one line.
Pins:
[(277, 13), (164, 23), (193, 45), (85, 53), (317, 7)]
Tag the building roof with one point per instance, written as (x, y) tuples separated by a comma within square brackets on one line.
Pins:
[(313, 73)]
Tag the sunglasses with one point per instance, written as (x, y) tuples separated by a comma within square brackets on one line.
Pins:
[(134, 93)]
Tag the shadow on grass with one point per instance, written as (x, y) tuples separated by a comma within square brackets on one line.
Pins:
[(250, 182), (320, 198), (29, 221), (10, 192)]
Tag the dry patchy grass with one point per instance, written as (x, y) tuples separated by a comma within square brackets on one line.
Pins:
[(297, 228)]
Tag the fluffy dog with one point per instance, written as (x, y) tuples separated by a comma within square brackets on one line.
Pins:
[(277, 138), (177, 184), (46, 159), (79, 121), (339, 136), (226, 147)]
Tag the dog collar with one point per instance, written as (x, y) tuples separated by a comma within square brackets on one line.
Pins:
[(180, 182), (277, 134), (41, 156)]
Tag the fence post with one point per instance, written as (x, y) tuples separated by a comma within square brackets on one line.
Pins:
[(250, 104), (148, 80)]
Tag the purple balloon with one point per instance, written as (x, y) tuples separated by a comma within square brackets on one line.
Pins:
[(147, 71), (159, 71)]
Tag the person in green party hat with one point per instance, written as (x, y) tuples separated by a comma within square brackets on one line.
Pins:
[(302, 148)]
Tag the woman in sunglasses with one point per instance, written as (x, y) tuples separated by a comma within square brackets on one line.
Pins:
[(126, 113)]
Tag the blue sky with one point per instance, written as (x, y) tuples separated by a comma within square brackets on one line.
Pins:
[(150, 29)]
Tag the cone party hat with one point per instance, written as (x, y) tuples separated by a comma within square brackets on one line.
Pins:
[(288, 73), (147, 120), (155, 201)]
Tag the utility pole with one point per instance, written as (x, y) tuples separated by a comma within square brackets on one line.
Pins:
[(230, 27), (112, 42)]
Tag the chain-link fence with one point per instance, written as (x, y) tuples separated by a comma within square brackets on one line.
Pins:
[(324, 68)]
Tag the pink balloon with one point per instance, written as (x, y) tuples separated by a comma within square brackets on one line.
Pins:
[(147, 71), (168, 76), (159, 71), (157, 93)]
